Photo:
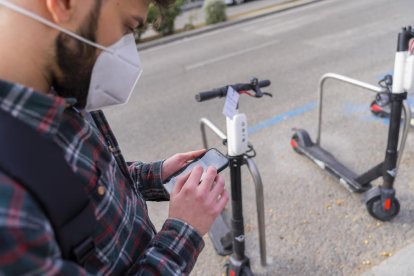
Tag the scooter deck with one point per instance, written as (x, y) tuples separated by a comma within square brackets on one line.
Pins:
[(328, 162)]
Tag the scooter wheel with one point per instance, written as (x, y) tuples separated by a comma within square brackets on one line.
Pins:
[(294, 142), (373, 108), (380, 107), (246, 271), (376, 209), (376, 110), (226, 269)]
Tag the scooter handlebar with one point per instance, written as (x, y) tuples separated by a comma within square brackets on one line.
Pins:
[(222, 92)]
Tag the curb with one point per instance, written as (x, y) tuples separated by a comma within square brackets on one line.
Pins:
[(172, 38), (399, 264), (195, 5)]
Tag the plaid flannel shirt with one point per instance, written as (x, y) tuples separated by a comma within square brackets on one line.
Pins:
[(125, 239)]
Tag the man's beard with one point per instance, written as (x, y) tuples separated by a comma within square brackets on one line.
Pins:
[(76, 60)]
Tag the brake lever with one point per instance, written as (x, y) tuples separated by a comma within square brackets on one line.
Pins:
[(256, 88), (386, 82)]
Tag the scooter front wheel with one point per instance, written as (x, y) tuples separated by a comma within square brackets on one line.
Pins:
[(384, 213), (245, 271)]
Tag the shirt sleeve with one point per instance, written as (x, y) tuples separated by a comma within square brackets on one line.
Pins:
[(173, 251), (147, 178), (28, 244)]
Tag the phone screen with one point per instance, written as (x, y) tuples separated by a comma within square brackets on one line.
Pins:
[(211, 158)]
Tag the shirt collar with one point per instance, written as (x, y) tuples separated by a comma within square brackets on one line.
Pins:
[(40, 111)]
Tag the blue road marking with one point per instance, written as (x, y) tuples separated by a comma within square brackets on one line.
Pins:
[(361, 110), (373, 118), (282, 117), (348, 107)]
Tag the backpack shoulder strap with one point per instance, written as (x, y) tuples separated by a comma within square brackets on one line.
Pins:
[(39, 165)]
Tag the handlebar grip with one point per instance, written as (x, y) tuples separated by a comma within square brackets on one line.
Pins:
[(264, 83), (204, 96)]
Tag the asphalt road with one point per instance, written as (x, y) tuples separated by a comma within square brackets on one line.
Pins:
[(313, 225)]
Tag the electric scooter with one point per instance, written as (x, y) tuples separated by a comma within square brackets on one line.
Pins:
[(380, 201), (240, 152)]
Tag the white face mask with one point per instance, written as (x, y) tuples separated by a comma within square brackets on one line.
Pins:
[(116, 70), (114, 75)]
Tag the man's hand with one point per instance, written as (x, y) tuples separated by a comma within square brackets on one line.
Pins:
[(198, 204), (178, 161)]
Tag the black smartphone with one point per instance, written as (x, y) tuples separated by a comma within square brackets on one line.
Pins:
[(212, 157)]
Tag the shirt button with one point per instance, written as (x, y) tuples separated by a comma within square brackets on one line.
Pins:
[(101, 190)]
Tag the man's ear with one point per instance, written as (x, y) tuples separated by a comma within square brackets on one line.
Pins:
[(60, 10)]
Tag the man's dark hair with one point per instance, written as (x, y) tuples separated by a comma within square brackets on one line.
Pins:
[(76, 60)]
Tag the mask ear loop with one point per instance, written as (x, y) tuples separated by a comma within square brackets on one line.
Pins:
[(40, 19)]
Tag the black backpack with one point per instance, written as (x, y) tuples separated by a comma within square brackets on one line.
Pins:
[(38, 164)]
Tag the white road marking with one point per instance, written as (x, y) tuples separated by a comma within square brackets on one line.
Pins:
[(230, 55)]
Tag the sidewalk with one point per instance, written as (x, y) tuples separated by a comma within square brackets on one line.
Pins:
[(400, 264), (236, 14), (197, 16)]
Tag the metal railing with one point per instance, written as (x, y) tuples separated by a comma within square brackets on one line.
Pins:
[(369, 87)]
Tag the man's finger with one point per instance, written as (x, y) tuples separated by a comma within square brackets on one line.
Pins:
[(217, 189), (219, 186), (208, 179), (222, 201), (191, 155), (179, 183), (195, 176)]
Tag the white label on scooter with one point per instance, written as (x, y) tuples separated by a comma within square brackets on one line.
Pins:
[(239, 238), (392, 172), (319, 163), (232, 100)]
